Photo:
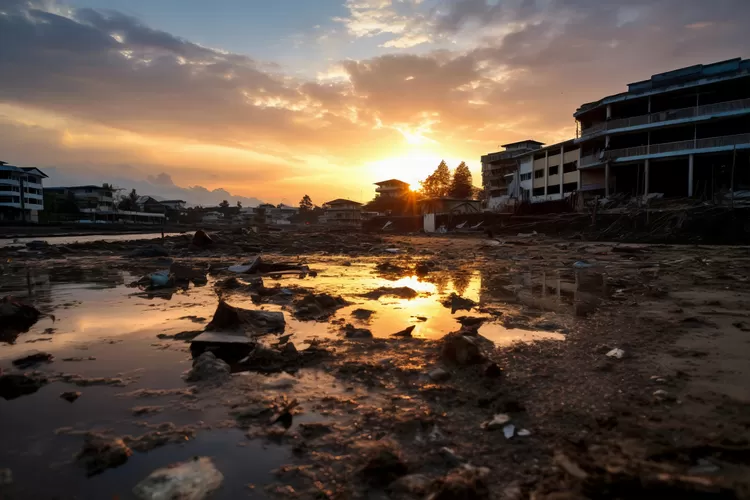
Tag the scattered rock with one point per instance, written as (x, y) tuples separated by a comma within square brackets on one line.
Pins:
[(498, 422), (15, 385), (33, 359), (78, 358), (471, 321), (456, 303), (413, 484), (662, 395), (352, 332), (383, 463), (192, 480), (70, 396), (405, 333), (16, 317), (314, 430), (317, 307), (251, 411), (207, 368), (439, 375), (450, 456), (100, 453), (362, 314), (281, 383), (466, 482), (461, 349), (524, 433), (146, 410), (569, 466), (201, 239), (150, 251), (616, 353), (403, 292), (81, 381), (493, 370), (742, 326), (6, 477)]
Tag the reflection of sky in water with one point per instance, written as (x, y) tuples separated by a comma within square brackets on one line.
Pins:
[(67, 240)]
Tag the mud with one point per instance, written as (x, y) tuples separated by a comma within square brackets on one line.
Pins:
[(512, 329)]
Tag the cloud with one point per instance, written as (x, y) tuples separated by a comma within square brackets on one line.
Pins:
[(402, 22), (162, 179)]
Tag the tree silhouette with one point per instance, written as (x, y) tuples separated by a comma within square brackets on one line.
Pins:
[(239, 204), (224, 204), (461, 185), (306, 204), (438, 183)]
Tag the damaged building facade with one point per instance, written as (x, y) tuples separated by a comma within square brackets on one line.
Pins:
[(683, 133)]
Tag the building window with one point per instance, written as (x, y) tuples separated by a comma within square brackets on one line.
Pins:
[(538, 174), (569, 187), (8, 199), (538, 191), (553, 189), (526, 176), (554, 170), (569, 167)]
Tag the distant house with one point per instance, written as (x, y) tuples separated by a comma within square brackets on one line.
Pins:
[(392, 188), (97, 204), (212, 217), (342, 212), (21, 193), (178, 205), (449, 206), (150, 205)]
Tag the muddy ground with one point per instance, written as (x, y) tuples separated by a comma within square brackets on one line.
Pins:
[(524, 402)]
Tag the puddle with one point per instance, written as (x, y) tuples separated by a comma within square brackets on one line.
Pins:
[(88, 238)]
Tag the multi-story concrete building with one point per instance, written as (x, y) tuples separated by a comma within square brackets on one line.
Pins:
[(546, 174), (498, 170), (681, 133), (342, 212), (392, 188), (21, 193)]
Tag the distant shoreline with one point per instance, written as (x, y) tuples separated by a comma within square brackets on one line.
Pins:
[(31, 231)]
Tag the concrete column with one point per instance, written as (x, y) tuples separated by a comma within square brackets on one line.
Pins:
[(649, 104), (606, 179), (609, 111), (690, 175), (645, 177), (560, 169), (546, 171), (606, 142)]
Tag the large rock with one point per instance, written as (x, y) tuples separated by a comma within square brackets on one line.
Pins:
[(384, 463), (33, 360), (461, 350), (15, 385), (16, 317), (252, 322), (467, 482), (201, 239), (317, 307), (193, 480), (208, 368), (100, 453)]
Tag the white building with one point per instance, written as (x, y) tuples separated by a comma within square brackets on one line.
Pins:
[(21, 193), (392, 188), (546, 174)]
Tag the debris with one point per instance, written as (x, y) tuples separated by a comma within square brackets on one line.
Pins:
[(704, 467), (186, 335), (6, 477), (509, 430), (413, 484), (499, 421), (471, 321), (100, 453), (33, 359), (281, 383), (201, 239), (450, 456), (150, 251), (16, 317), (403, 292), (465, 482), (37, 245), (524, 433), (252, 411), (317, 307), (439, 375), (191, 480), (383, 463), (15, 385), (248, 267), (392, 250), (742, 326), (284, 415), (405, 333), (235, 325), (582, 265), (146, 410), (362, 314), (159, 279), (616, 353), (182, 272), (70, 396), (569, 466), (356, 333), (493, 370), (663, 395), (457, 303), (461, 349), (207, 368)]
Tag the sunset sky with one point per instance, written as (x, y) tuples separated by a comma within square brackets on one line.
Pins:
[(271, 99)]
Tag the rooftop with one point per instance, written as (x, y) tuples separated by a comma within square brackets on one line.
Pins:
[(521, 143), (700, 74), (342, 201), (392, 181), (91, 186)]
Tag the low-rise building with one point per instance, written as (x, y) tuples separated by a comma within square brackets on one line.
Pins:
[(342, 212), (392, 188), (176, 205), (546, 174), (21, 193), (454, 206), (97, 204), (150, 205), (498, 171), (212, 217)]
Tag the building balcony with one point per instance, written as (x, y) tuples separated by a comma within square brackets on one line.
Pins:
[(707, 145), (669, 117), (9, 182)]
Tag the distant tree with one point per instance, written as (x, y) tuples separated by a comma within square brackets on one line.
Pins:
[(401, 205), (133, 196), (438, 183), (461, 185), (306, 204), (239, 204), (224, 204), (128, 202)]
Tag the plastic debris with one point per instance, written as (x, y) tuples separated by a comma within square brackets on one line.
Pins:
[(498, 421), (582, 265), (524, 433), (509, 430)]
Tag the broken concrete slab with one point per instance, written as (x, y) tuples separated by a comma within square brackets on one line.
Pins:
[(100, 453), (15, 385), (192, 480), (317, 307), (208, 368), (236, 325)]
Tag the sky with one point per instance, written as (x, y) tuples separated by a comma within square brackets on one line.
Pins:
[(260, 100)]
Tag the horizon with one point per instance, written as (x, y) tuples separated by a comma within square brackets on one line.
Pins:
[(257, 103)]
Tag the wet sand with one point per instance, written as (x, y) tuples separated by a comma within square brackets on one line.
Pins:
[(548, 326)]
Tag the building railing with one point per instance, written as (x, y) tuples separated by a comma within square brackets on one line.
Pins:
[(669, 115), (669, 147)]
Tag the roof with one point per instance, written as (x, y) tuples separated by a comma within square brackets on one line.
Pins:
[(32, 169), (691, 76), (567, 143), (342, 201), (390, 181), (91, 186), (172, 201), (522, 142)]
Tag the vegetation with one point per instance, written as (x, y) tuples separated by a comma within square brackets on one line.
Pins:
[(461, 185), (438, 183), (128, 202), (306, 204)]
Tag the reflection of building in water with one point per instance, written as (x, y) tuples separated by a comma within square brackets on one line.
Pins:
[(546, 290)]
